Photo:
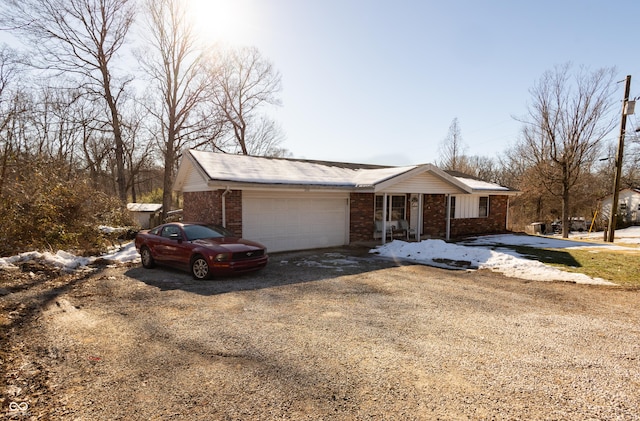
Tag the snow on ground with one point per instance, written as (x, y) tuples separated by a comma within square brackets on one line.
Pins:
[(629, 235), (478, 253), (67, 261), (485, 252)]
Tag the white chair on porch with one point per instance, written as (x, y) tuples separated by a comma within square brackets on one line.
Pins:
[(378, 232), (403, 225)]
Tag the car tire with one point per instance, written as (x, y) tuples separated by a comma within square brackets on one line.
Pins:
[(147, 258), (200, 268)]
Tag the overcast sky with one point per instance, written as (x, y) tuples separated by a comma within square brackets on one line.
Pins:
[(380, 81)]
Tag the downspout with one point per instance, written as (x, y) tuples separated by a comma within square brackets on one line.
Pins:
[(224, 206), (448, 219)]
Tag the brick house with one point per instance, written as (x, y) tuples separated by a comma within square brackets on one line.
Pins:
[(292, 204)]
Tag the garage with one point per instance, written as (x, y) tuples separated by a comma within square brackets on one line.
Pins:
[(295, 221)]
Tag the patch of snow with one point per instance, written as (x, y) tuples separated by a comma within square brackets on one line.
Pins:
[(475, 255), (68, 261), (125, 254)]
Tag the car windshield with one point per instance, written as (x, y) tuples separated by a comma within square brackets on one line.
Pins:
[(196, 232)]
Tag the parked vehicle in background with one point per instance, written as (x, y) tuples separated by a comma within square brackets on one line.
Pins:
[(204, 250), (576, 224)]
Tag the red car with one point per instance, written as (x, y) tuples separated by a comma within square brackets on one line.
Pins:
[(204, 250)]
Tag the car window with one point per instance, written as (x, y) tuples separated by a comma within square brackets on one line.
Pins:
[(171, 231), (195, 232)]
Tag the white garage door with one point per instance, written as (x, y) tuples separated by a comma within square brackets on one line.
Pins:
[(295, 221)]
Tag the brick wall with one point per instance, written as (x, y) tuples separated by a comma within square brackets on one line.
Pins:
[(494, 223), (434, 212), (361, 216), (435, 224), (203, 206), (234, 211), (206, 206)]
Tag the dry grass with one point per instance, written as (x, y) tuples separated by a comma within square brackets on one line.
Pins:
[(619, 266)]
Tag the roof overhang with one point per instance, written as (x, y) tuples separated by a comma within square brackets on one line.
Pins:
[(238, 185), (219, 171)]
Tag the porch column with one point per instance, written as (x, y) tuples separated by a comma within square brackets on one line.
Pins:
[(420, 217), (384, 218), (448, 218)]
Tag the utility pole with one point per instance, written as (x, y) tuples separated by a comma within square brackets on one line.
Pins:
[(618, 174)]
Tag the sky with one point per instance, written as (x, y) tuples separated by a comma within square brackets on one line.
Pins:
[(376, 81), (380, 81), (486, 252)]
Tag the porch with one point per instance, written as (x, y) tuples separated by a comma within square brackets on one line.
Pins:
[(398, 216)]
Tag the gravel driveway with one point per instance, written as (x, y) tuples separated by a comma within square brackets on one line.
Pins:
[(330, 334)]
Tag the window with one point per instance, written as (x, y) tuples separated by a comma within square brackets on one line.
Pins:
[(468, 206), (396, 207), (483, 207), (171, 231), (452, 209)]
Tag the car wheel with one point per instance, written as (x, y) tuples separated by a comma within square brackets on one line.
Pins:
[(200, 268), (147, 258)]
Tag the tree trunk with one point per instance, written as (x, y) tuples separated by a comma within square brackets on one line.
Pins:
[(167, 184), (566, 193)]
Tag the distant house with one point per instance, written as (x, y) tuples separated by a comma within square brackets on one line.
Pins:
[(145, 215), (292, 204), (628, 206)]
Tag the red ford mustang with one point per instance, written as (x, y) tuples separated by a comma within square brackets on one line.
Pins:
[(205, 250)]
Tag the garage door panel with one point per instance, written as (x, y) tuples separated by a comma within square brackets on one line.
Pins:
[(297, 222)]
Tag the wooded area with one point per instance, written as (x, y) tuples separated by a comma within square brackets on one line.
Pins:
[(93, 116), (85, 102), (564, 159)]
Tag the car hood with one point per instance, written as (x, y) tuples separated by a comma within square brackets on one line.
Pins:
[(230, 244)]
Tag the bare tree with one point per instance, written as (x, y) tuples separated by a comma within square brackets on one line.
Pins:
[(568, 118), (79, 40), (11, 105), (479, 166), (138, 147), (242, 81), (264, 137), (452, 148), (174, 63)]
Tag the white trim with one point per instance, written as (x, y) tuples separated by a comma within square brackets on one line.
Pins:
[(384, 216), (448, 219)]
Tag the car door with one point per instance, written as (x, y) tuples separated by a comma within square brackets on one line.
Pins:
[(174, 247), (169, 242)]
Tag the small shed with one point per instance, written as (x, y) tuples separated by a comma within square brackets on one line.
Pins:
[(145, 214)]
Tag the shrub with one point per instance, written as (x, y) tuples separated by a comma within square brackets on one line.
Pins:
[(48, 212)]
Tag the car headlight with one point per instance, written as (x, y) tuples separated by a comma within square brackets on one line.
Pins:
[(222, 257)]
